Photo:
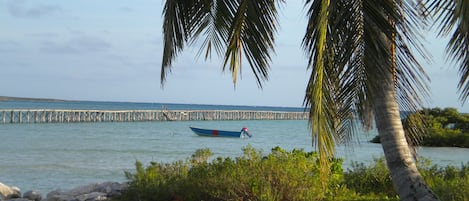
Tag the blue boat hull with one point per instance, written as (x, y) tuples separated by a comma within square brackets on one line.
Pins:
[(215, 133)]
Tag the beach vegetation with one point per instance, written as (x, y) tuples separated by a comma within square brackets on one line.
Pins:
[(441, 127), (280, 175), (448, 182)]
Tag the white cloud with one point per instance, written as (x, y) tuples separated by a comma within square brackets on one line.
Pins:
[(23, 9), (9, 46), (81, 44)]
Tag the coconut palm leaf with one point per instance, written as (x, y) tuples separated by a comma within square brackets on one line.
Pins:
[(326, 46), (187, 21), (453, 18), (179, 19), (318, 95), (252, 32), (214, 25), (349, 57), (225, 28)]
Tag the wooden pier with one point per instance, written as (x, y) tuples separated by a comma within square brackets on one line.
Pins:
[(72, 116)]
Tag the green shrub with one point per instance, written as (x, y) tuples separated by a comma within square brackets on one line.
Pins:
[(372, 179), (439, 127), (449, 183), (280, 175), (157, 179)]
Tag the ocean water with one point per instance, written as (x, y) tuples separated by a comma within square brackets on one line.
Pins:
[(46, 157), (98, 105)]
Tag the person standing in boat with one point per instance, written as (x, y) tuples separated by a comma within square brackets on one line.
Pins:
[(245, 132)]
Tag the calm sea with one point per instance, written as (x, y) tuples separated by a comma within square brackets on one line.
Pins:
[(62, 156)]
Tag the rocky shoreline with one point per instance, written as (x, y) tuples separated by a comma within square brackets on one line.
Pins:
[(90, 192)]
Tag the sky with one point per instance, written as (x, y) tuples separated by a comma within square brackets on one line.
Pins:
[(111, 50)]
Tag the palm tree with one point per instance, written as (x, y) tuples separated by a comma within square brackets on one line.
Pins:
[(360, 53)]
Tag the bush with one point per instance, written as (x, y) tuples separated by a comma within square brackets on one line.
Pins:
[(280, 175), (163, 180), (436, 128), (449, 183), (446, 138), (373, 179)]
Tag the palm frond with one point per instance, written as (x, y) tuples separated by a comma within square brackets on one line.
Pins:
[(412, 81), (252, 32), (392, 37), (365, 41), (318, 96), (232, 28), (330, 42), (214, 25), (180, 19), (453, 18)]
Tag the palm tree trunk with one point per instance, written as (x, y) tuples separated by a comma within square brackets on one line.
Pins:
[(407, 180)]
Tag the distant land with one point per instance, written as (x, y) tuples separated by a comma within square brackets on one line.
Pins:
[(10, 98)]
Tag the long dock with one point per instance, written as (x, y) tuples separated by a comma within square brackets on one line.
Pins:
[(13, 116)]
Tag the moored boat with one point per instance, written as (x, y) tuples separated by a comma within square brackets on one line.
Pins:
[(221, 133)]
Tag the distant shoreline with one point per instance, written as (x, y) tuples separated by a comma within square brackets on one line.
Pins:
[(10, 98)]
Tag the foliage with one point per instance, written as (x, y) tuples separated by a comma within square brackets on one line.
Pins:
[(442, 127), (452, 18), (449, 183), (373, 179), (448, 118), (280, 175), (156, 179)]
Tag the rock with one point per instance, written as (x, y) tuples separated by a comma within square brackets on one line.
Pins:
[(9, 192), (90, 192), (33, 195), (58, 195), (17, 192), (94, 196), (112, 189), (18, 199), (53, 193), (61, 197)]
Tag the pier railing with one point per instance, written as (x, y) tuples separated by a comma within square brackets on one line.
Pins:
[(71, 116)]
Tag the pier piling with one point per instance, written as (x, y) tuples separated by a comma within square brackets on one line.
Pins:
[(13, 116)]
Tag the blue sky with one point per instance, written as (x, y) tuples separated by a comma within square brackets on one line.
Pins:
[(110, 50)]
